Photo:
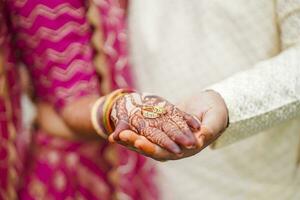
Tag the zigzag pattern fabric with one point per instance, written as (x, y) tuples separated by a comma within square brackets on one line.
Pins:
[(53, 40)]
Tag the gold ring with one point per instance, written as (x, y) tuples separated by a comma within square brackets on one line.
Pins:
[(153, 112)]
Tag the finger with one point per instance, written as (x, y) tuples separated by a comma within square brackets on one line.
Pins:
[(145, 147), (186, 130), (156, 152), (129, 139), (121, 126), (125, 137), (192, 121), (164, 155), (138, 141), (119, 115), (178, 136), (204, 137), (158, 137), (212, 123), (181, 123)]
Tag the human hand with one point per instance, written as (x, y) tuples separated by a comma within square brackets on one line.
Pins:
[(156, 125), (210, 108), (212, 111)]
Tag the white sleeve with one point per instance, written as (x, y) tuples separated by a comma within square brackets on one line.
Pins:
[(268, 93)]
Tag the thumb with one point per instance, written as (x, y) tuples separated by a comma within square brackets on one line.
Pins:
[(121, 126), (212, 125)]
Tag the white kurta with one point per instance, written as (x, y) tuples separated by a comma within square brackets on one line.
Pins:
[(249, 52)]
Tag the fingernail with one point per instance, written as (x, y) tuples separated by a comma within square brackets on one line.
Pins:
[(111, 139), (193, 139), (193, 146), (184, 140), (180, 154), (190, 143), (175, 149)]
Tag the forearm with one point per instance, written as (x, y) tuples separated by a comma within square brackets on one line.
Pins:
[(75, 118), (77, 115), (268, 93), (51, 122)]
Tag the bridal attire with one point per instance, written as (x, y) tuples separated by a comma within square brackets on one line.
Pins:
[(64, 47)]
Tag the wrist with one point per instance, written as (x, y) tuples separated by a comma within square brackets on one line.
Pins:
[(224, 106), (97, 117), (76, 114), (102, 109)]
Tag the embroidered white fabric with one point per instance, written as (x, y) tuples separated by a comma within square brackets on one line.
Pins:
[(269, 93), (262, 97)]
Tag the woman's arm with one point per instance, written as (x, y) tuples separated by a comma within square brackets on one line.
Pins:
[(77, 115), (60, 62), (59, 56)]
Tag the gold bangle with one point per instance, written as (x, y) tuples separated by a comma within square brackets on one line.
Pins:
[(109, 101), (95, 118), (108, 105)]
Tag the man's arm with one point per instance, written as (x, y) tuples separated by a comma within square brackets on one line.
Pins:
[(269, 93)]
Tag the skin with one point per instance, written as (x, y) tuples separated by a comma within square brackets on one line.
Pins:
[(77, 114), (170, 130), (152, 139), (209, 107), (46, 113), (155, 135), (71, 123), (166, 138)]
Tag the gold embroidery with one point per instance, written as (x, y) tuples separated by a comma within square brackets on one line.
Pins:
[(96, 185), (53, 157), (72, 160), (37, 189), (10, 143), (60, 181), (97, 41)]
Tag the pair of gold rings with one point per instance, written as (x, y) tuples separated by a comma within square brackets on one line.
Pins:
[(153, 112)]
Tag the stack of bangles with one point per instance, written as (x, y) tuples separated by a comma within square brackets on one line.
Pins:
[(101, 111)]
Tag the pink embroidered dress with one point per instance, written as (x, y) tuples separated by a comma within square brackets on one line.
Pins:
[(54, 40)]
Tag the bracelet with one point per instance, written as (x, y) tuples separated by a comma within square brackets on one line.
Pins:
[(101, 110), (108, 105), (95, 116)]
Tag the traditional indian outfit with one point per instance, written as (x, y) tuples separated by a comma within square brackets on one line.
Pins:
[(65, 44), (249, 52)]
